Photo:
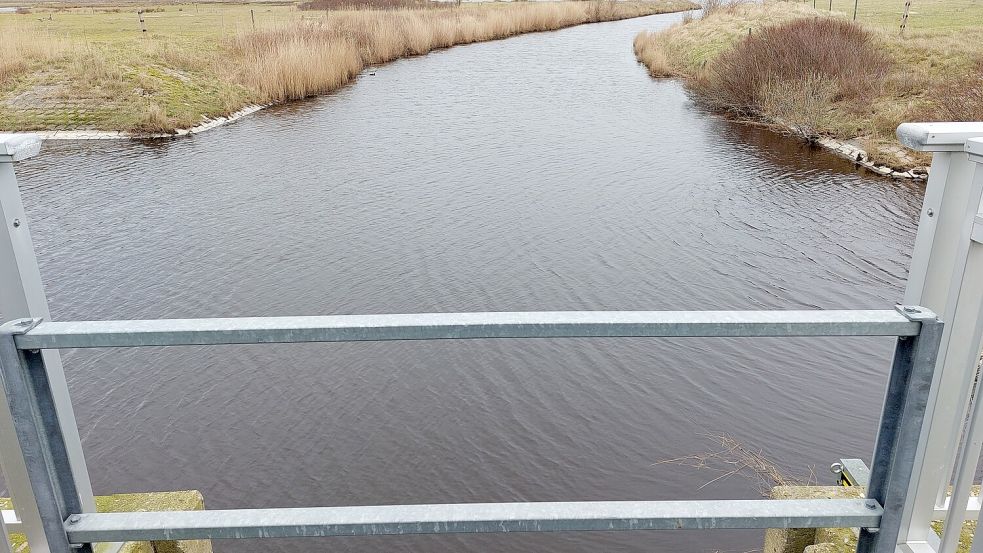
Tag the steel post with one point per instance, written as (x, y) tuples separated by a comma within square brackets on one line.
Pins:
[(39, 433), (898, 438), (21, 295)]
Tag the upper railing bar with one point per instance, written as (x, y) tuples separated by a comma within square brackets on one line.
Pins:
[(437, 326), (473, 518)]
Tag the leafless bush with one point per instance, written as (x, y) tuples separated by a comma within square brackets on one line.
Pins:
[(838, 56), (733, 458), (710, 6)]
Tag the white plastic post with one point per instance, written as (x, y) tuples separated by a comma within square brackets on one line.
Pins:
[(946, 276), (5, 545), (21, 295), (968, 455)]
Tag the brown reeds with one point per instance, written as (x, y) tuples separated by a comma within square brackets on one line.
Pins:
[(310, 58)]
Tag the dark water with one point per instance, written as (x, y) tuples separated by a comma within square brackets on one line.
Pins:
[(544, 172)]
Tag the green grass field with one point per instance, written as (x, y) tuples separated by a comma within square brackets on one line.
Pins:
[(925, 15), (197, 21)]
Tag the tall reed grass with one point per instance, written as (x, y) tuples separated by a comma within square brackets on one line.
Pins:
[(164, 80), (22, 48), (310, 58)]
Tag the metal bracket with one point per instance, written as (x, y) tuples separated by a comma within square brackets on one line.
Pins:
[(854, 472), (20, 326), (916, 313)]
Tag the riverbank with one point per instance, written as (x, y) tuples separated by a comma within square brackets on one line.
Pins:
[(93, 69), (816, 74)]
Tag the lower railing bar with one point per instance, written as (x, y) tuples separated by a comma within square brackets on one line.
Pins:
[(435, 326), (473, 518), (971, 511)]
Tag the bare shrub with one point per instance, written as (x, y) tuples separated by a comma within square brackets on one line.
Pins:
[(830, 59), (710, 6)]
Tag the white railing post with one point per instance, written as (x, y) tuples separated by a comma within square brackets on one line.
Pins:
[(946, 276), (21, 295), (5, 545)]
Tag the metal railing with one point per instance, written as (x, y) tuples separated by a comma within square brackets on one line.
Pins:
[(910, 474), (68, 528), (946, 276)]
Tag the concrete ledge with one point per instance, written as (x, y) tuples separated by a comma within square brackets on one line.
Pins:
[(798, 540), (190, 500), (835, 540)]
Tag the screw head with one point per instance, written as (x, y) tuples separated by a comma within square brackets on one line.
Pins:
[(930, 212), (16, 223), (74, 519), (870, 504), (912, 310)]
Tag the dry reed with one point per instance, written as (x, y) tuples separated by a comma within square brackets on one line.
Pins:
[(159, 82), (310, 58), (731, 457), (23, 48)]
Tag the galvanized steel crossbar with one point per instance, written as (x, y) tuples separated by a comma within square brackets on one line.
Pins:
[(439, 326), (67, 529), (474, 518)]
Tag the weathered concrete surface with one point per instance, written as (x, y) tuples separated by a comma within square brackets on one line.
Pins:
[(835, 540), (190, 500), (795, 540)]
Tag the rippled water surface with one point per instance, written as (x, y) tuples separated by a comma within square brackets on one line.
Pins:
[(543, 172)]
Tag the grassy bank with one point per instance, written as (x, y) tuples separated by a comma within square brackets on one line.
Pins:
[(93, 67), (816, 73)]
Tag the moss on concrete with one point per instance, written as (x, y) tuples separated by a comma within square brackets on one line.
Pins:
[(835, 540), (190, 500)]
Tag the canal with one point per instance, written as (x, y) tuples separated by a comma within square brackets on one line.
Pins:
[(543, 172)]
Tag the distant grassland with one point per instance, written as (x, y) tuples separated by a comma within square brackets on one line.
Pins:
[(91, 67), (848, 81)]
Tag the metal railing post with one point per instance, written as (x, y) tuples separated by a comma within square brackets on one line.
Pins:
[(972, 443), (943, 278), (5, 546), (39, 433), (21, 295), (900, 429)]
